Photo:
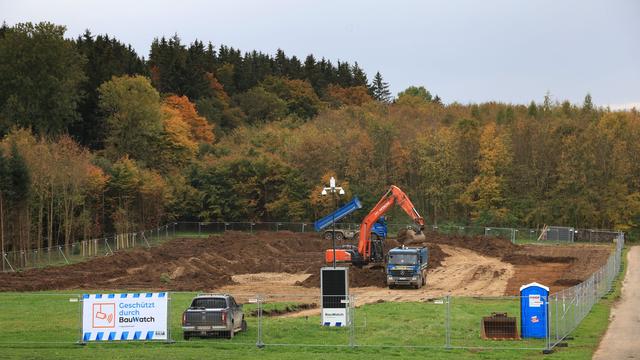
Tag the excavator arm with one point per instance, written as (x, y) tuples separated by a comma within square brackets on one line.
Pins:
[(367, 251)]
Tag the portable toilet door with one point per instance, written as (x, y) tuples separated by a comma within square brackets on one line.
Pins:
[(534, 311)]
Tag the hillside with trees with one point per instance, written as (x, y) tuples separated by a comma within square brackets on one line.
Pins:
[(97, 139)]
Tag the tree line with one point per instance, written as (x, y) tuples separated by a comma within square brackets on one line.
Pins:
[(96, 139)]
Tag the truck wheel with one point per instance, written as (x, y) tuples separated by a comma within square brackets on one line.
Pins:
[(186, 336), (327, 235), (230, 334), (244, 326), (424, 279), (339, 236)]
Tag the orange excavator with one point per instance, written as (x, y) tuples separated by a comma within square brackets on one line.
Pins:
[(368, 250)]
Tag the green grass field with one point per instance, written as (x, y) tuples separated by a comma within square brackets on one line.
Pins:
[(47, 326)]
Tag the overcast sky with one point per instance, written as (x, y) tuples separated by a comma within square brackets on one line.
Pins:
[(466, 51)]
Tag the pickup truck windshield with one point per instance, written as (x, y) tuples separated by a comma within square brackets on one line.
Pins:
[(400, 259), (209, 303)]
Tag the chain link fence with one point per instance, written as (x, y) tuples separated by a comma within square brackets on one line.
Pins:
[(78, 251), (69, 253), (447, 322)]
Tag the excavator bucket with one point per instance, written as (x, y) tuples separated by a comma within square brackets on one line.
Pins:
[(409, 236), (499, 326)]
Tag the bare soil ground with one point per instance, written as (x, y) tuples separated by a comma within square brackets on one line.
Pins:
[(287, 263)]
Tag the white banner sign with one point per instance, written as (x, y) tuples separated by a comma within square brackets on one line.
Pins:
[(334, 317), (118, 317)]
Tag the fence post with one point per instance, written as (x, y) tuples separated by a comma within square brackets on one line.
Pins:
[(106, 241), (447, 321), (169, 334), (4, 256), (259, 342), (80, 320), (557, 333), (352, 321), (62, 253), (547, 349), (145, 239)]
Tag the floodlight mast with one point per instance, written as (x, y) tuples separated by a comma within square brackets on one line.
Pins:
[(335, 191)]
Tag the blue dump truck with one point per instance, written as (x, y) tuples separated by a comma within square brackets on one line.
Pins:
[(407, 266), (379, 229)]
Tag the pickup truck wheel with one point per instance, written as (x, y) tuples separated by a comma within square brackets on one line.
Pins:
[(243, 328), (186, 336)]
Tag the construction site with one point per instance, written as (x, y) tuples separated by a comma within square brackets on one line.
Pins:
[(454, 290), (287, 262)]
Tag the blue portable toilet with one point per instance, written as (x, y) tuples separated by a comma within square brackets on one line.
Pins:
[(534, 311)]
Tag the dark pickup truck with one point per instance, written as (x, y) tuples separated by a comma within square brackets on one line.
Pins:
[(213, 315)]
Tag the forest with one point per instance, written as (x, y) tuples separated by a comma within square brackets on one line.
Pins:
[(97, 139)]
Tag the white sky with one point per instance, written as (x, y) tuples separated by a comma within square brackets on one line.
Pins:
[(463, 50)]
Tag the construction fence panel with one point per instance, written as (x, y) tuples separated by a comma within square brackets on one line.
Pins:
[(595, 235), (570, 306), (491, 323), (285, 320), (107, 245), (39, 318), (504, 233), (390, 321)]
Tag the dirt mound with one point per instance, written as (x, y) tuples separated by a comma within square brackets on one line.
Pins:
[(181, 264), (286, 310), (218, 261), (556, 266), (527, 259), (362, 277), (489, 246)]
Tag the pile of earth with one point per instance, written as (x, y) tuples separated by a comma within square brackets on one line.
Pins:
[(181, 264), (209, 263), (286, 310), (375, 276)]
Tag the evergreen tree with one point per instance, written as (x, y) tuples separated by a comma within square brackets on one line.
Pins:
[(359, 76), (344, 74), (5, 190), (106, 57), (380, 89), (281, 63), (532, 110), (587, 106), (40, 77), (19, 181), (546, 104)]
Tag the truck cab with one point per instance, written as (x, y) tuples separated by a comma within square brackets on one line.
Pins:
[(407, 266), (213, 315)]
